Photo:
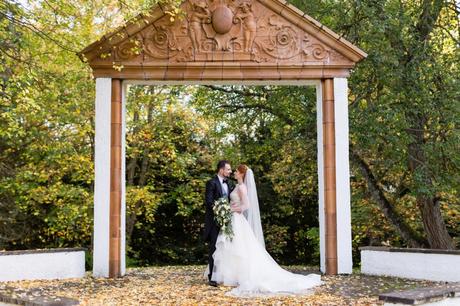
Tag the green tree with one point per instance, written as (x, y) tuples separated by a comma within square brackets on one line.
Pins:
[(168, 163), (404, 135)]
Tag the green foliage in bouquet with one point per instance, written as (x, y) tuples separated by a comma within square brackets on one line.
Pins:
[(223, 216)]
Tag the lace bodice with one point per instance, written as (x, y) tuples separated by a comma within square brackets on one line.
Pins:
[(241, 201), (234, 197)]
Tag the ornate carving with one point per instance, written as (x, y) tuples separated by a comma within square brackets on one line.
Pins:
[(222, 22), (129, 49), (245, 16), (319, 52), (222, 19), (226, 30), (161, 42), (168, 41), (283, 40), (221, 34), (316, 50), (198, 16)]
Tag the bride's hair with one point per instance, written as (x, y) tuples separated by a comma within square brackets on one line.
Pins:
[(242, 168)]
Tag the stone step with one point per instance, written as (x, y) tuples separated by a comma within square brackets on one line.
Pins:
[(424, 296), (14, 296)]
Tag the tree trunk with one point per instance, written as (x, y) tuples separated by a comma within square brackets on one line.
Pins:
[(409, 235), (433, 222), (434, 225)]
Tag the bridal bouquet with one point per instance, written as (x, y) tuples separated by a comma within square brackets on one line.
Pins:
[(223, 216)]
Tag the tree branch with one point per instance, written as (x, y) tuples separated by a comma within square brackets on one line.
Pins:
[(37, 31), (245, 93), (406, 232), (261, 106)]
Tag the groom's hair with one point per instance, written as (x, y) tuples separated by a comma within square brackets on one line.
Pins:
[(221, 164)]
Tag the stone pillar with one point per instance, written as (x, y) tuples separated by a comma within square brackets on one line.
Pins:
[(115, 179), (320, 169), (109, 189), (333, 177), (329, 176), (123, 182), (102, 177), (342, 170)]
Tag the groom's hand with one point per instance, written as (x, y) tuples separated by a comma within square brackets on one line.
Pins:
[(236, 208)]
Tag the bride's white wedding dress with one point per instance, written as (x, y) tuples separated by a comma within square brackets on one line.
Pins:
[(243, 261)]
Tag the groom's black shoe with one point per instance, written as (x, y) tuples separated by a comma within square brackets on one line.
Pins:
[(213, 283)]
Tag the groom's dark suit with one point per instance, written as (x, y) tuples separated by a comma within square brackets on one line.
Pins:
[(211, 229)]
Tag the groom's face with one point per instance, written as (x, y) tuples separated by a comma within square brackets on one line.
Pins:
[(226, 171)]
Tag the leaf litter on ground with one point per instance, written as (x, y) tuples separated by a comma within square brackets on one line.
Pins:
[(186, 285)]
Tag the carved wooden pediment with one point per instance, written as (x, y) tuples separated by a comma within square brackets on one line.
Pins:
[(223, 40)]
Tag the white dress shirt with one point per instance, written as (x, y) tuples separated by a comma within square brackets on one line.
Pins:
[(224, 186)]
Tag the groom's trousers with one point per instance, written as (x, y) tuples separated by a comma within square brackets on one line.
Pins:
[(212, 247)]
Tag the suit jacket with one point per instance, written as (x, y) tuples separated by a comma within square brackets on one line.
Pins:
[(213, 193)]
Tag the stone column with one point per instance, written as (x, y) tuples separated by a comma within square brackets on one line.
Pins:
[(320, 169), (109, 166), (123, 181), (342, 170), (329, 176), (115, 179), (333, 177), (102, 177)]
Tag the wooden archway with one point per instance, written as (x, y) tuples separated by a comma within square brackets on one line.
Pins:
[(222, 42)]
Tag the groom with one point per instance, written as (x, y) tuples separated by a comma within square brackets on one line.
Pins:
[(216, 188)]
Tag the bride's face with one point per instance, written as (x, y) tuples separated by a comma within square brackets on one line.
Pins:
[(237, 174)]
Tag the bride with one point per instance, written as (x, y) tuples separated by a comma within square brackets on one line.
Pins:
[(243, 261)]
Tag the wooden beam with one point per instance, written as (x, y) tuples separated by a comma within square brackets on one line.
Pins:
[(329, 176), (115, 180)]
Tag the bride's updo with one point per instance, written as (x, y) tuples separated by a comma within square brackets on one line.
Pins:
[(242, 168)]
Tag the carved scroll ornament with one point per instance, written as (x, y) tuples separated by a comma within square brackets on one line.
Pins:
[(243, 30), (282, 41)]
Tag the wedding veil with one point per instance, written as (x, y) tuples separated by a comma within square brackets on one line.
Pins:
[(253, 213)]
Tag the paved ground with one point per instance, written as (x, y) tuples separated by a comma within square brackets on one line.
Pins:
[(185, 285)]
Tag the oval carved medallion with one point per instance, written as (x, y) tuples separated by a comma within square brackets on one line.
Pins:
[(222, 19)]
